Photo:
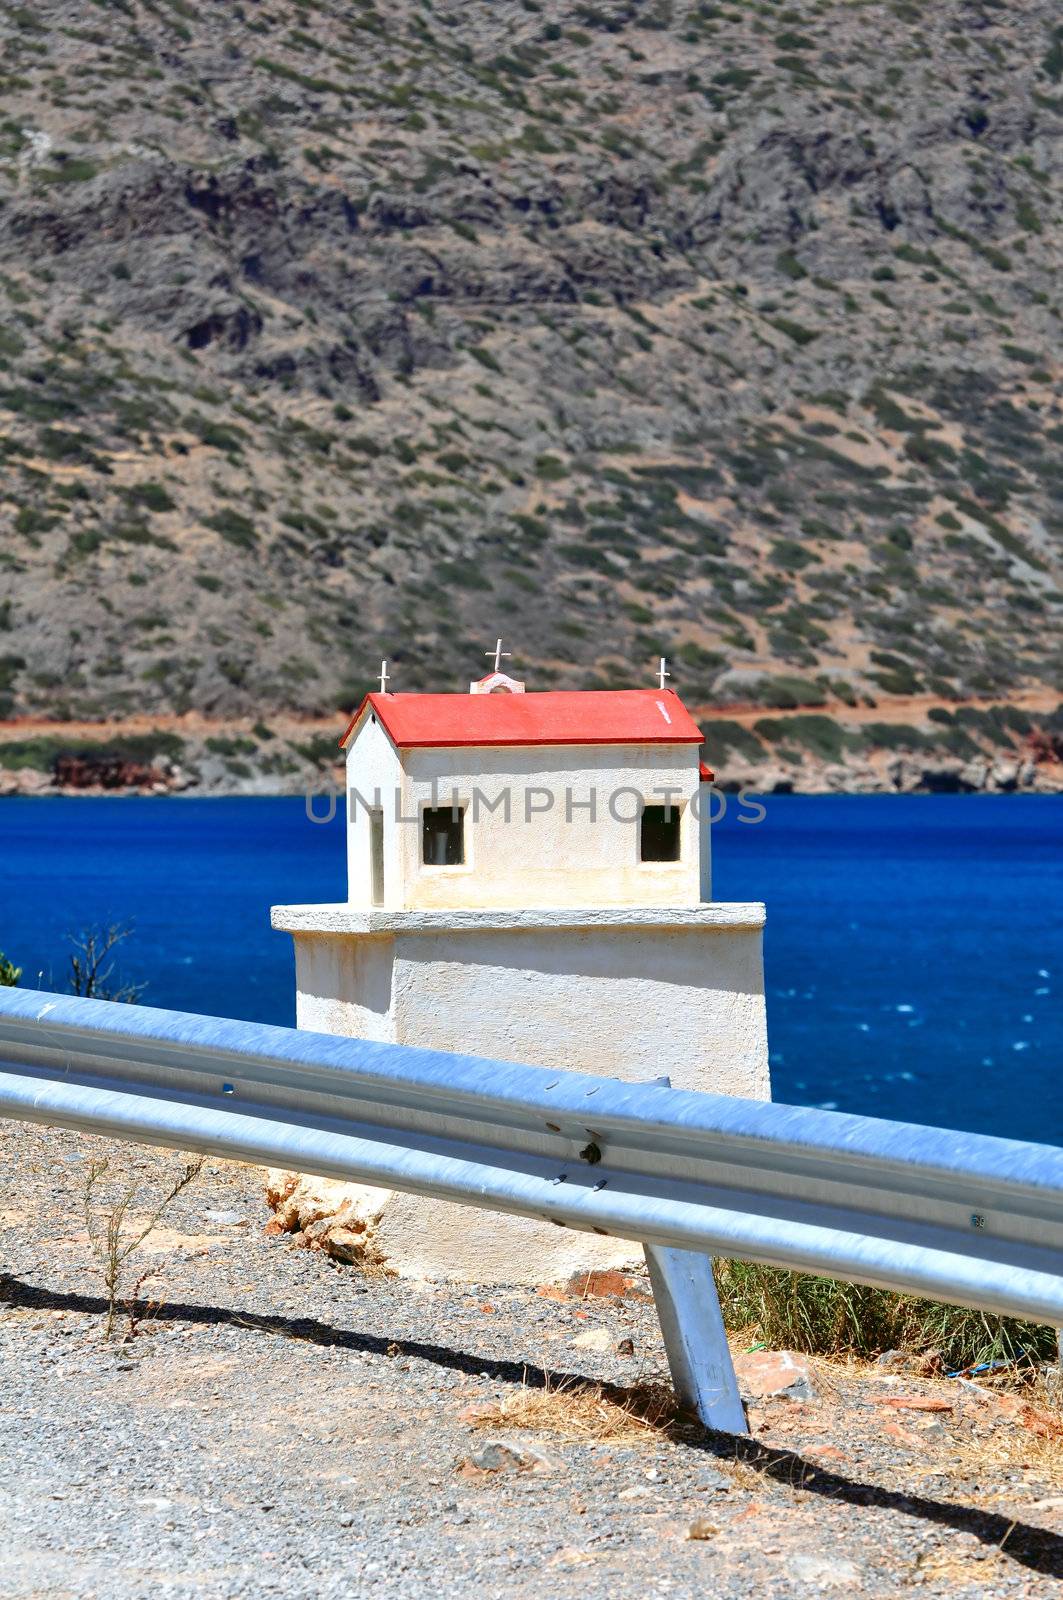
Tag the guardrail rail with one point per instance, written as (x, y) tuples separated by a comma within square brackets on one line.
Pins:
[(955, 1216)]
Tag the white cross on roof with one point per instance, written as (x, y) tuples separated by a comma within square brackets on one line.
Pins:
[(498, 653)]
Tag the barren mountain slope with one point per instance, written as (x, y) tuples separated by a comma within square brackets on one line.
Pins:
[(332, 331)]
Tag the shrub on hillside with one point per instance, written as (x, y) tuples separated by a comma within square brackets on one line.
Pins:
[(786, 694)]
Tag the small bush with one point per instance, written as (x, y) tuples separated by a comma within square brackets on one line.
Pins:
[(898, 676), (724, 738), (462, 573), (40, 754), (794, 330), (218, 436), (234, 526), (819, 734), (796, 1311), (74, 170), (1052, 60), (785, 694), (893, 736), (790, 555), (152, 496), (485, 358), (219, 745), (695, 655), (788, 264), (32, 520)]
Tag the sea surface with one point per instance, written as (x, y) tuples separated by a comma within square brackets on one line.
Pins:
[(914, 944)]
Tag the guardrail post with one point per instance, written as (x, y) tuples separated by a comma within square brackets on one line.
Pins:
[(698, 1356)]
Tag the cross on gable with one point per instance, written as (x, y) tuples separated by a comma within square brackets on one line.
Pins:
[(498, 653)]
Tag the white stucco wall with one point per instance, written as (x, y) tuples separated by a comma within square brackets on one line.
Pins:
[(373, 769), (628, 993), (543, 846)]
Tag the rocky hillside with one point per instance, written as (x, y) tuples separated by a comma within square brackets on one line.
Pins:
[(333, 330)]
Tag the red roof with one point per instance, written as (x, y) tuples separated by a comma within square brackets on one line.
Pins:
[(580, 716)]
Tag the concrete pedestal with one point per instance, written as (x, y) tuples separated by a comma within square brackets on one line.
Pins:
[(626, 992)]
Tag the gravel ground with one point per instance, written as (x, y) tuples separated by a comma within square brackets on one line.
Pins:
[(283, 1425)]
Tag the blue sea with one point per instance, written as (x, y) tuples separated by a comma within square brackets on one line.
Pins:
[(914, 945)]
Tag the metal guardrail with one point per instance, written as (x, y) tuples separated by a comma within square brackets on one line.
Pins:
[(955, 1216)]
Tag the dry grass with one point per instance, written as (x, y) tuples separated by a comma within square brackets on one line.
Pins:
[(1023, 1429), (1018, 1423), (112, 1234), (372, 1266), (587, 1412), (1015, 1448)]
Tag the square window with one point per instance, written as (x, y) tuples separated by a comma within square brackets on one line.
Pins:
[(659, 839), (443, 836)]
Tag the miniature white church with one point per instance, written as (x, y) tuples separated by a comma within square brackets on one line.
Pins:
[(501, 798), (529, 880)]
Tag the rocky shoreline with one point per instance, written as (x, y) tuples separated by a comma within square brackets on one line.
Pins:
[(905, 774), (991, 749), (897, 775)]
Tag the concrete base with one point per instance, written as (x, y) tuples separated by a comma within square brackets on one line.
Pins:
[(628, 993)]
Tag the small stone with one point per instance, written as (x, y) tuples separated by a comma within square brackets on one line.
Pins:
[(711, 1481), (605, 1283), (911, 1402), (226, 1219), (592, 1339), (625, 1347), (504, 1455), (894, 1430), (826, 1572), (479, 1412), (571, 1557), (1041, 1422), (345, 1244), (774, 1374), (826, 1453)]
